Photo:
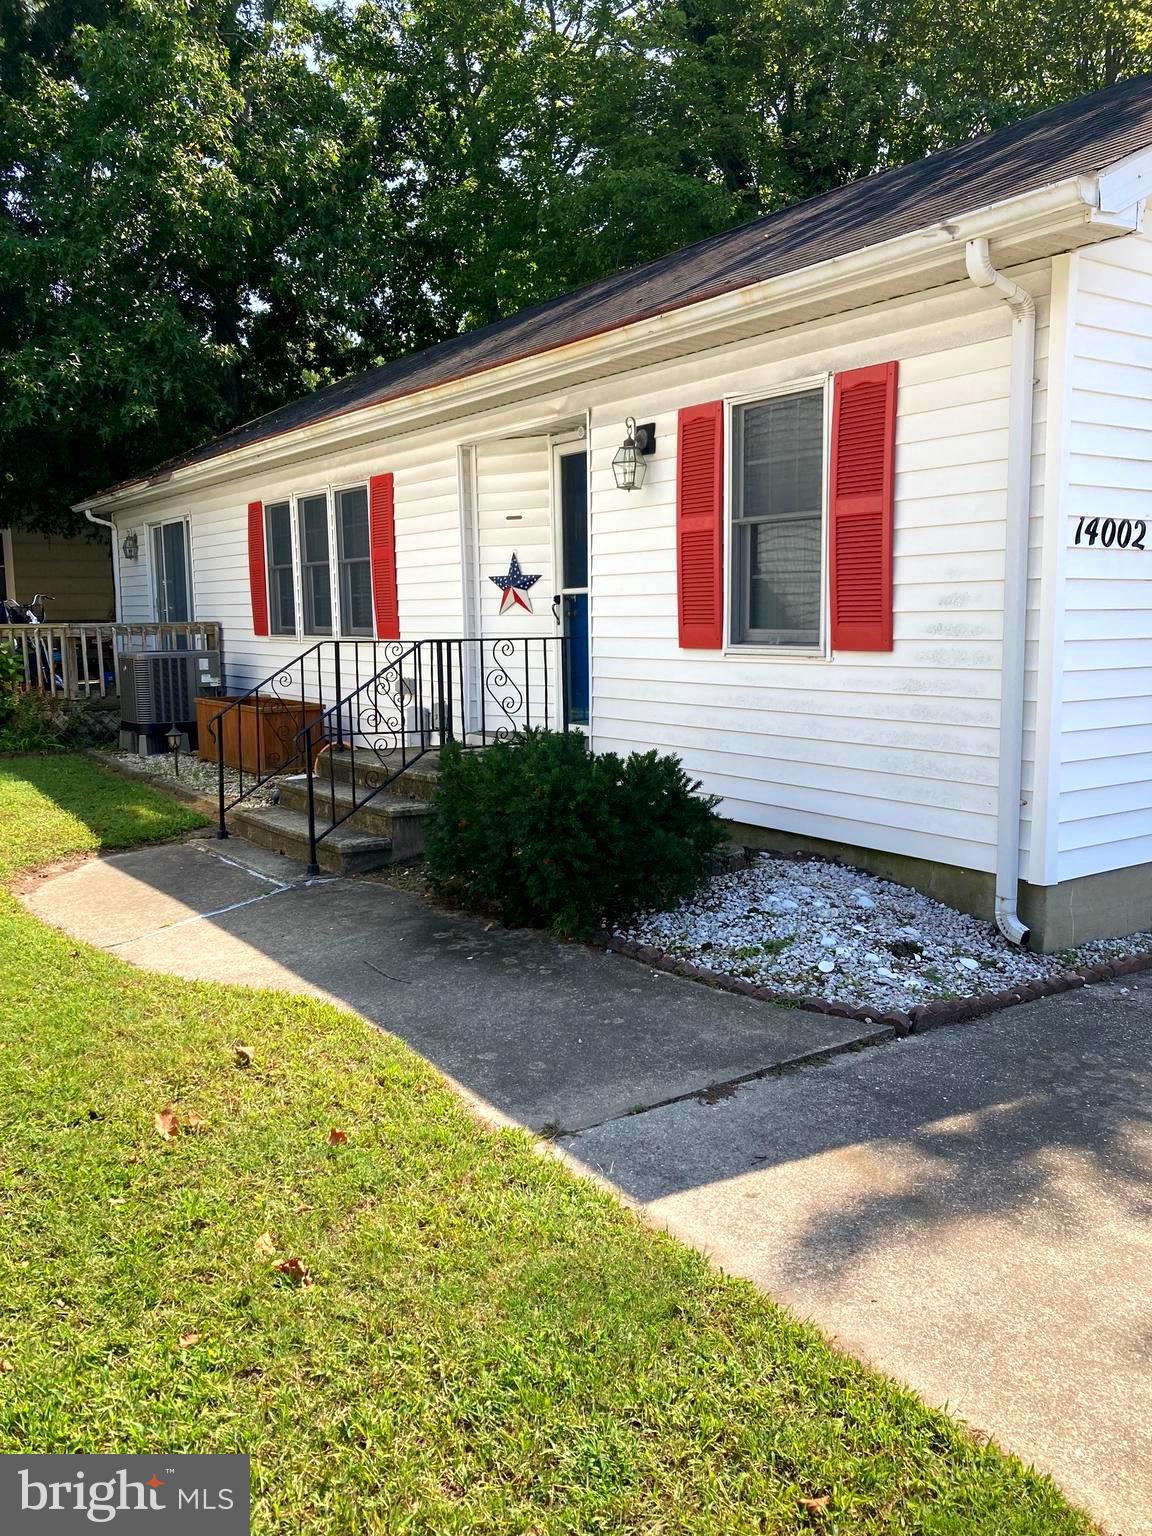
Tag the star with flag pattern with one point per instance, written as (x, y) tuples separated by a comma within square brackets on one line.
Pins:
[(514, 587)]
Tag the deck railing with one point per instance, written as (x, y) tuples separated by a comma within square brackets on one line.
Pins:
[(82, 661)]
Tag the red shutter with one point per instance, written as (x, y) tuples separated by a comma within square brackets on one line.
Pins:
[(257, 575), (861, 498), (700, 525), (382, 536)]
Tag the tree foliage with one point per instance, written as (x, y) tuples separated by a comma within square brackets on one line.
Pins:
[(208, 207)]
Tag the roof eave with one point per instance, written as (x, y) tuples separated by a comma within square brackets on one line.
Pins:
[(1063, 215)]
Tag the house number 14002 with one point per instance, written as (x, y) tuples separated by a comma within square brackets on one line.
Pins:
[(1111, 532)]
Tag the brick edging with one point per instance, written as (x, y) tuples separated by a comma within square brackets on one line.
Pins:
[(929, 1015)]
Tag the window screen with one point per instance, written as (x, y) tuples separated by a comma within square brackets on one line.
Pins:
[(355, 564), (281, 583), (315, 564), (170, 572), (778, 520)]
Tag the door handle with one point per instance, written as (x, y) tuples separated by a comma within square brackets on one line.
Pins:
[(556, 602)]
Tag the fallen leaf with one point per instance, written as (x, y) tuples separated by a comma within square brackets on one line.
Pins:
[(296, 1271), (816, 1506), (194, 1123), (167, 1124), (188, 1339), (337, 1138), (245, 1055), (265, 1245)]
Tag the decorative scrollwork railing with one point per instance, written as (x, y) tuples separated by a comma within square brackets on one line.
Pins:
[(426, 693), (257, 734)]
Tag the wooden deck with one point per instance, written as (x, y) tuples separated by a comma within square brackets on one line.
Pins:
[(82, 661)]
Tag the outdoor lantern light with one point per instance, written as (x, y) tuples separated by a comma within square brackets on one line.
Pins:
[(628, 463), (130, 546), (175, 738)]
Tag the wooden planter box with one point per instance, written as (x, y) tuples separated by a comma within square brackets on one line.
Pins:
[(207, 708), (259, 736)]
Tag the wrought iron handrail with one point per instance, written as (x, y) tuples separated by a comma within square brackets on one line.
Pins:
[(317, 733), (282, 676), (448, 696), (299, 685)]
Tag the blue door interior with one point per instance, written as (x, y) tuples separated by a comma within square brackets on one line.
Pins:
[(576, 656), (574, 584)]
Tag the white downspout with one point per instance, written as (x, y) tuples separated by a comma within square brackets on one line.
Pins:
[(1015, 604), (106, 522)]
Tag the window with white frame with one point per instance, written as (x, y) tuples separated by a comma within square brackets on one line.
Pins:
[(353, 554), (313, 535), (281, 568), (318, 564), (778, 520), (171, 575)]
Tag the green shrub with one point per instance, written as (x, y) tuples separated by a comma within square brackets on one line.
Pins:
[(11, 674), (31, 722), (541, 831)]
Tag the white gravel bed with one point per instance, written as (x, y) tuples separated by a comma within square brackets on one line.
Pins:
[(815, 929), (198, 775)]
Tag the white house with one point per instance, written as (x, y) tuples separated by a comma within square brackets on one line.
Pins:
[(886, 585)]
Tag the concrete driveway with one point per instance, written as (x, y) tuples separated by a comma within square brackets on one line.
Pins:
[(967, 1209)]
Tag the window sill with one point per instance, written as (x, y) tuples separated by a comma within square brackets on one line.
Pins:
[(776, 653), (310, 639)]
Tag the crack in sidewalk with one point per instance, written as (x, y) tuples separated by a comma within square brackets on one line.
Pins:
[(716, 1092), (281, 886)]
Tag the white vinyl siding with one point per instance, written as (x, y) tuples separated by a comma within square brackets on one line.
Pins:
[(895, 751), (1105, 705)]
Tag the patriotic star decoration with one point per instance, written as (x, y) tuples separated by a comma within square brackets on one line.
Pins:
[(514, 587)]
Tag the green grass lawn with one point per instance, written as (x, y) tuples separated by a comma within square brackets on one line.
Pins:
[(488, 1345)]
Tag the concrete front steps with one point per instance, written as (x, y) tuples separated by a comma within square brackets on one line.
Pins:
[(389, 829)]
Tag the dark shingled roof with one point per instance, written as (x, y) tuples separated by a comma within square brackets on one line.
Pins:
[(1078, 138)]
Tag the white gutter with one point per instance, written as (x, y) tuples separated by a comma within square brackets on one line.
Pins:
[(106, 522), (1015, 599)]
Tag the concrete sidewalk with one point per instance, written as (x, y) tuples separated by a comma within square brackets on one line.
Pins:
[(967, 1209), (553, 1036)]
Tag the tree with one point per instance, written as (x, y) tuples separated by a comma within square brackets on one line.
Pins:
[(179, 246)]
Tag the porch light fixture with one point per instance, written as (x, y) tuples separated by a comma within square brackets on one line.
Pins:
[(130, 546), (628, 464), (175, 740)]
